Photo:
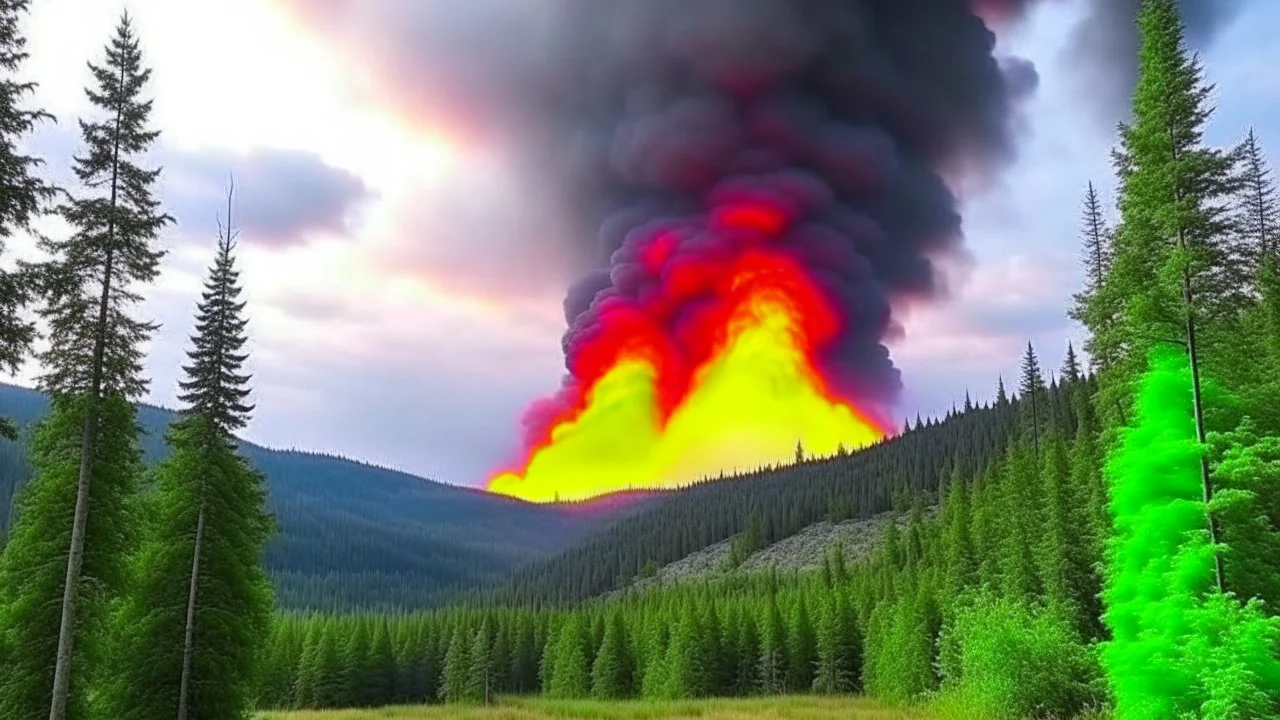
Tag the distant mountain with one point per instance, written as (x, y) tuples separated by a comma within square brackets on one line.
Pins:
[(353, 534)]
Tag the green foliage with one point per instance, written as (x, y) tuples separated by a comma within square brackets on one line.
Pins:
[(613, 673), (1162, 567), (24, 195), (1007, 659), (34, 564), (899, 651)]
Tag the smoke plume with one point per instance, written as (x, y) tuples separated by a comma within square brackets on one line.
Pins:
[(845, 116), (667, 131)]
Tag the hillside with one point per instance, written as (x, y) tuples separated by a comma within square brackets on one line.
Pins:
[(785, 500), (354, 534), (802, 552)]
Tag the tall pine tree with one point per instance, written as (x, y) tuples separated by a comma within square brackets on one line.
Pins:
[(201, 605), (93, 369)]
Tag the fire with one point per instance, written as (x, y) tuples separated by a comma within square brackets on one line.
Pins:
[(714, 371)]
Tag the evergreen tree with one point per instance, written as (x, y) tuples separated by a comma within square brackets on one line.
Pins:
[(613, 674), (355, 665), (688, 660), (1088, 308), (1071, 371), (200, 584), (1257, 208), (838, 669), (479, 685), (1172, 276), (31, 569), (326, 668), (23, 195), (95, 347), (773, 650), (457, 666), (802, 656), (1033, 395), (381, 680), (571, 668)]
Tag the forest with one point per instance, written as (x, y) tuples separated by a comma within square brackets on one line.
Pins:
[(1102, 540)]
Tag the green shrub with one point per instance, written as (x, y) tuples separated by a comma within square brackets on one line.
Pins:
[(1003, 658)]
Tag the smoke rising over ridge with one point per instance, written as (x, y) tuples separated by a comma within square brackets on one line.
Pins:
[(851, 120)]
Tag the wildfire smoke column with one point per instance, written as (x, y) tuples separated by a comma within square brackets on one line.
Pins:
[(767, 178)]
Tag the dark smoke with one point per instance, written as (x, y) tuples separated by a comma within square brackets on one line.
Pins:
[(631, 112), (1104, 48), (850, 113)]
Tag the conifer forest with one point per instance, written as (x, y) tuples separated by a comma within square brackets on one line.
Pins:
[(1100, 540)]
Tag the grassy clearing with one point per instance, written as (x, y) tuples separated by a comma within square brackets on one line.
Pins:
[(781, 708)]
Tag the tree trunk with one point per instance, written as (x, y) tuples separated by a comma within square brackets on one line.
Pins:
[(1206, 479), (1197, 401), (75, 557), (188, 642)]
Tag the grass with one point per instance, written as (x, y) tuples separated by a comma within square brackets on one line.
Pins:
[(774, 708)]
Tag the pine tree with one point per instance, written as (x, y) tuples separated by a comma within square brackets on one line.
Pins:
[(23, 195), (1172, 275), (773, 650), (1070, 372), (838, 668), (1034, 398), (94, 345), (802, 648), (457, 665), (355, 664), (613, 675), (326, 668), (381, 685), (571, 669), (201, 586), (1257, 207), (688, 658), (32, 571), (479, 686), (1088, 308)]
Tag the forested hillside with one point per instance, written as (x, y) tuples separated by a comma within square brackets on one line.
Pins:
[(356, 535)]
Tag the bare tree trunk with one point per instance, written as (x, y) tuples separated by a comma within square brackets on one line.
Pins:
[(188, 643), (75, 557)]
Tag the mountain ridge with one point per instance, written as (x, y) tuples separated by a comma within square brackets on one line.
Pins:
[(358, 534)]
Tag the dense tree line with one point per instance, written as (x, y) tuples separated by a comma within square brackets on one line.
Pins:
[(994, 547)]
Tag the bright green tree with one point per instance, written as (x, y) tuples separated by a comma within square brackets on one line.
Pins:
[(457, 667), (613, 674)]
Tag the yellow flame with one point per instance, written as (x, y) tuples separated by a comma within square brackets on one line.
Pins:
[(749, 408)]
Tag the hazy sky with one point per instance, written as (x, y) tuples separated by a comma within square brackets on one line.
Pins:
[(404, 308)]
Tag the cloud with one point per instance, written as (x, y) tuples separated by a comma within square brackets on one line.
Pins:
[(480, 234), (282, 197)]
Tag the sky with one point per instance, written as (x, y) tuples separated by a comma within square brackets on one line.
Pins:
[(403, 289)]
